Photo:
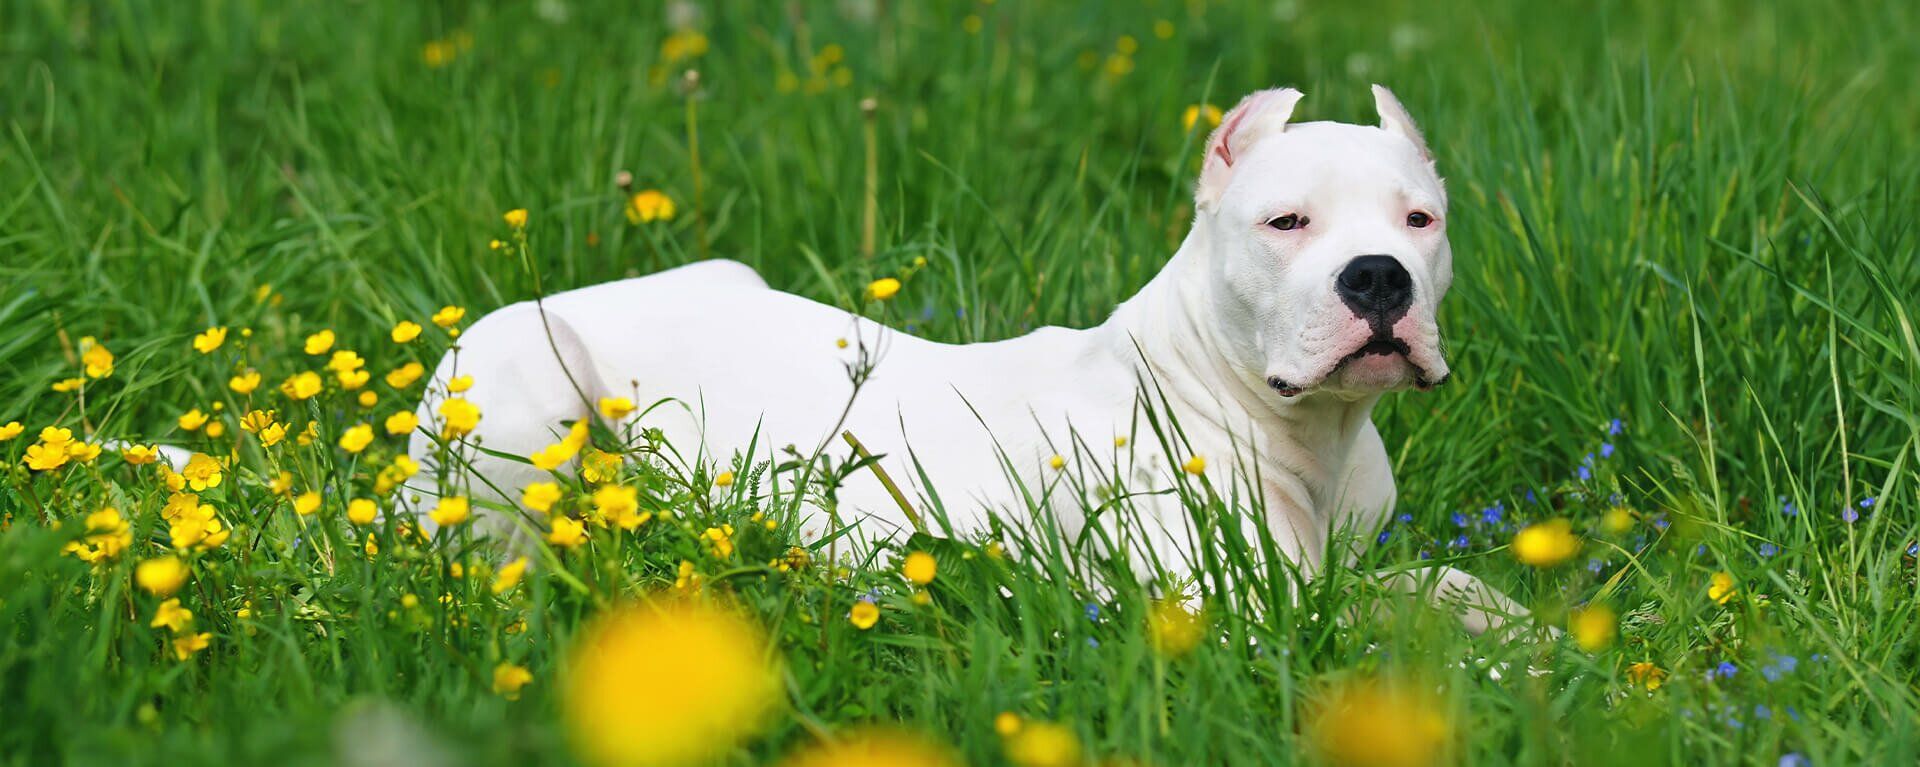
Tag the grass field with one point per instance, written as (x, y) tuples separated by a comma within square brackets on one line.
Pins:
[(1686, 269)]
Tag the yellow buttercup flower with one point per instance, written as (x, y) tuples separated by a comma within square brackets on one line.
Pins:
[(68, 385), (193, 420), (46, 457), (1593, 627), (402, 422), (95, 360), (508, 576), (405, 331), (302, 385), (185, 646), (1172, 629), (1646, 674), (319, 343), (1006, 723), (171, 616), (1195, 465), (255, 420), (367, 398), (202, 472), (209, 341), (10, 430), (509, 678), (448, 316), (272, 434), (161, 576), (1373, 722), (540, 496), (1043, 744), (681, 45), (715, 662), (108, 534), (353, 379), (566, 532), (719, 540), (405, 375), (459, 384), (724, 480), (344, 360), (361, 511), (1722, 588), (875, 748), (139, 455), (600, 466), (1057, 462), (883, 289), (461, 417), (450, 511), (1617, 521), (516, 218), (619, 505), (198, 528), (864, 614), (307, 503), (649, 206), (616, 408), (245, 383), (920, 568), (1198, 112), (357, 438), (1545, 544)]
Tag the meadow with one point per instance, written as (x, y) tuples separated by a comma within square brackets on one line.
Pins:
[(1682, 332)]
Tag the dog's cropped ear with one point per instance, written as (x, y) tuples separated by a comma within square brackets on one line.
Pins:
[(1394, 119), (1256, 115)]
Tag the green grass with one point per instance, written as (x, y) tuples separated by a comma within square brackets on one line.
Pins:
[(1693, 217)]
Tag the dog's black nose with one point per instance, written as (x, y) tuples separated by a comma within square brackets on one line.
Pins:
[(1375, 287)]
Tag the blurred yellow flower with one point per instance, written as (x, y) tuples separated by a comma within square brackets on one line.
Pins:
[(171, 616), (600, 466), (1195, 465), (619, 505), (357, 437), (715, 662), (509, 574), (682, 44), (302, 385), (459, 384), (725, 479), (616, 408), (68, 385), (161, 576), (509, 678), (1593, 627), (402, 422), (185, 646), (649, 206), (875, 748), (1198, 112), (10, 430), (1722, 587), (1007, 723), (197, 527), (540, 496), (566, 532), (1646, 674), (139, 455), (461, 417), (367, 398), (864, 614), (405, 331), (344, 360), (245, 383), (920, 568), (1371, 723), (438, 53), (1172, 629), (1545, 544), (450, 511), (44, 457), (1057, 462), (883, 289), (1163, 29), (1617, 520), (202, 472), (1043, 744), (95, 359), (405, 375), (193, 420), (209, 341), (719, 540), (319, 343), (449, 316), (306, 503), (516, 218), (361, 511)]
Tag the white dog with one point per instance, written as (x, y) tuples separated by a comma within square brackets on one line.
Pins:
[(1306, 289)]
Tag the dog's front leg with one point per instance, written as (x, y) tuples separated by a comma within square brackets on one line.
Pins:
[(1481, 608)]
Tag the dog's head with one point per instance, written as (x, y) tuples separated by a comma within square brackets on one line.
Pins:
[(1328, 248)]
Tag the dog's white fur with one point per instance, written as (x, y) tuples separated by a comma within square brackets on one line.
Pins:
[(1242, 331)]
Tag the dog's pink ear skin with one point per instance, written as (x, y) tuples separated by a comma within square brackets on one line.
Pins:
[(1394, 119), (1256, 115)]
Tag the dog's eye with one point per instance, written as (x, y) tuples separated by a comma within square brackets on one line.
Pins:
[(1418, 220), (1288, 223)]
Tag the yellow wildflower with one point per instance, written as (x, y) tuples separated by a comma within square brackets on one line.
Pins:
[(68, 385), (683, 44), (459, 384), (1617, 520), (361, 511), (307, 503), (1195, 465), (1722, 588), (864, 614), (301, 385), (1646, 674), (1545, 544), (1593, 627), (566, 532), (1043, 744), (649, 206), (719, 540), (353, 379), (185, 646), (1057, 462), (43, 457), (509, 678), (344, 360), (540, 496), (357, 438), (920, 568), (202, 472), (319, 343), (1006, 723), (255, 420), (509, 574), (170, 615), (449, 316), (516, 218), (208, 342), (714, 661), (1374, 723), (1197, 112), (245, 383), (161, 576), (600, 466), (139, 455), (193, 420), (1173, 629), (367, 398), (875, 748), (405, 331), (883, 289), (404, 376), (272, 434), (461, 417), (95, 359), (450, 511), (198, 528), (10, 430), (402, 422), (619, 505), (615, 408)]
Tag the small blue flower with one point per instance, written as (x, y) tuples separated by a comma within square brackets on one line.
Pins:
[(1093, 612), (1867, 502), (1493, 514), (1794, 759), (1584, 473), (1530, 496), (1615, 427), (1725, 670), (1661, 523), (1460, 519), (1787, 507), (1850, 516), (1406, 518), (1780, 666), (1913, 549), (1768, 550), (1761, 712), (1460, 541), (1425, 554), (1606, 450), (1091, 642), (1384, 535), (1595, 566)]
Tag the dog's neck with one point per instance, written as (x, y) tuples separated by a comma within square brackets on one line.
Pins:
[(1170, 325)]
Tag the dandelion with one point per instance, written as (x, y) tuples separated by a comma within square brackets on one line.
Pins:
[(616, 408), (1198, 112), (461, 417), (508, 576), (404, 331), (1546, 544), (1646, 675), (920, 568), (864, 614), (714, 660), (357, 438), (516, 218), (449, 316), (883, 289), (307, 503), (319, 343), (139, 455), (450, 511), (649, 206), (360, 511), (875, 748), (509, 678), (1372, 722), (1043, 744), (402, 422), (171, 616), (208, 342), (161, 576), (184, 647), (1172, 629), (540, 496), (1721, 587), (1593, 627), (566, 532)]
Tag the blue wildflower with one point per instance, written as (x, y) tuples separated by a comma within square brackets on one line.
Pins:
[(1768, 550), (1913, 549), (1493, 514), (1530, 496), (1406, 518), (1460, 519), (1091, 642), (1606, 450), (1595, 566), (1761, 712), (1384, 535), (1867, 502), (1615, 427), (1787, 507), (1850, 516), (1584, 473), (1780, 666), (1725, 670), (1460, 541), (1794, 759), (1093, 612)]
